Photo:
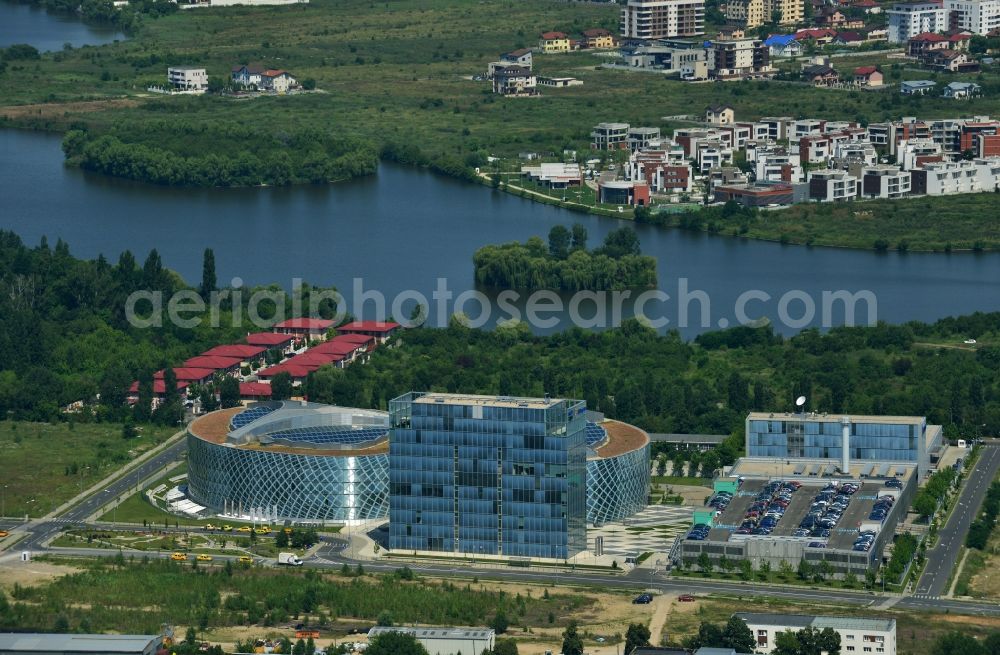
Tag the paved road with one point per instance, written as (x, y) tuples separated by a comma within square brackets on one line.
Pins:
[(41, 530), (942, 558)]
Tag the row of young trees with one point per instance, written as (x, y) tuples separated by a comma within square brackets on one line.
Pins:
[(566, 264), (982, 528)]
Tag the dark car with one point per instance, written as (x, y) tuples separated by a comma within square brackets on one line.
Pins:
[(643, 599)]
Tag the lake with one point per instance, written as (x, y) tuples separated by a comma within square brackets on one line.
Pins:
[(404, 229), (28, 24)]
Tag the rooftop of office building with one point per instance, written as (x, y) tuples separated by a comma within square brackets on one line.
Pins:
[(296, 428), (486, 401), (834, 418), (818, 622)]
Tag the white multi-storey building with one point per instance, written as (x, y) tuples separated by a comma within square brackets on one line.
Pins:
[(908, 19), (857, 636), (884, 181), (187, 78), (662, 19), (976, 16), (832, 186)]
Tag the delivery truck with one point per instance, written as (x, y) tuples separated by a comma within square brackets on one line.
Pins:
[(289, 559)]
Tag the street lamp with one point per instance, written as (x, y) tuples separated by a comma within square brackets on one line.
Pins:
[(3, 505)]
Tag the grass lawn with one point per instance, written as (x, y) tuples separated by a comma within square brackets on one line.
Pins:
[(47, 464), (401, 72)]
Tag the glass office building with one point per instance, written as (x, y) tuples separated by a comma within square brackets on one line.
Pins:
[(814, 436), (487, 475)]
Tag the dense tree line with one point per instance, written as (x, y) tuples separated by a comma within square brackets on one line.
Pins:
[(962, 643), (566, 264), (314, 159), (707, 386), (65, 335)]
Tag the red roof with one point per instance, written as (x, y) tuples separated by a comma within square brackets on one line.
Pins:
[(236, 350), (816, 33), (929, 37), (159, 386), (595, 32), (314, 359), (866, 3), (960, 37), (368, 326), (334, 348), (849, 36), (305, 324), (865, 70), (251, 389), (185, 373), (268, 339), (359, 339), (214, 362), (548, 36), (294, 371)]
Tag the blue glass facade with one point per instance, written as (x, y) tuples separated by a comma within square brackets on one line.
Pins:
[(807, 437), (492, 476)]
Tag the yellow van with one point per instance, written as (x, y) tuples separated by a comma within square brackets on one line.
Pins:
[(179, 557)]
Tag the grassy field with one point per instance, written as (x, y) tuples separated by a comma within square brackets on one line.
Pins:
[(45, 465), (400, 72)]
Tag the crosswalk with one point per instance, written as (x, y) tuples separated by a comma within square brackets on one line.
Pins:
[(926, 597)]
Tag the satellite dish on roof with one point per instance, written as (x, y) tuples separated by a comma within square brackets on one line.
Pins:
[(800, 401)]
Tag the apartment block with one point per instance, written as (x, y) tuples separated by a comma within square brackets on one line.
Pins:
[(610, 136), (832, 186), (908, 19), (976, 16), (662, 19)]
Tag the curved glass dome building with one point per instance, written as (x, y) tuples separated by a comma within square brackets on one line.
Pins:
[(618, 470), (291, 460)]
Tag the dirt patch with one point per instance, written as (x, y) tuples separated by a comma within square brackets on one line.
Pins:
[(30, 574), (53, 109), (692, 495)]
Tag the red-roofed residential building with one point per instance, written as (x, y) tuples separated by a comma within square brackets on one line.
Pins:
[(869, 76), (554, 42), (925, 42), (379, 330), (313, 359), (159, 391), (189, 375), (225, 365), (246, 353), (298, 373), (250, 391), (271, 340), (305, 328), (598, 38), (363, 340)]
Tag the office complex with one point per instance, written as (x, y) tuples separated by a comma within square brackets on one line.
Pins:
[(487, 475), (618, 471), (290, 460), (662, 19), (881, 439)]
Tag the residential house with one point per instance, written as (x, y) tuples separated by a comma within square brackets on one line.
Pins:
[(758, 194), (687, 58), (662, 170), (828, 185), (554, 175), (951, 177), (304, 328), (730, 32), (916, 87), (514, 80), (558, 82), (868, 76), (610, 136), (598, 38), (519, 57), (381, 331), (642, 137), (272, 341), (662, 19), (720, 115), (634, 193), (248, 77), (255, 391), (277, 81), (884, 181), (947, 60), (908, 19), (851, 39), (962, 90), (783, 45), (187, 78), (820, 75), (740, 59), (921, 44), (552, 42), (818, 36), (868, 6)]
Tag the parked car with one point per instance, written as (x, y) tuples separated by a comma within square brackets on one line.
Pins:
[(643, 599), (686, 598)]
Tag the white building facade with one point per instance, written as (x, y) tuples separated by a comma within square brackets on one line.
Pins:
[(857, 636), (976, 16), (908, 19)]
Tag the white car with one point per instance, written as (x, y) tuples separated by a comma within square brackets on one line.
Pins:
[(970, 342)]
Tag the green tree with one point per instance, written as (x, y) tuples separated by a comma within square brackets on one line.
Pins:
[(395, 643), (505, 647), (738, 636), (579, 237), (636, 636), (208, 278), (281, 539), (499, 623), (229, 392), (572, 642), (384, 618), (281, 386), (559, 242), (705, 563)]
